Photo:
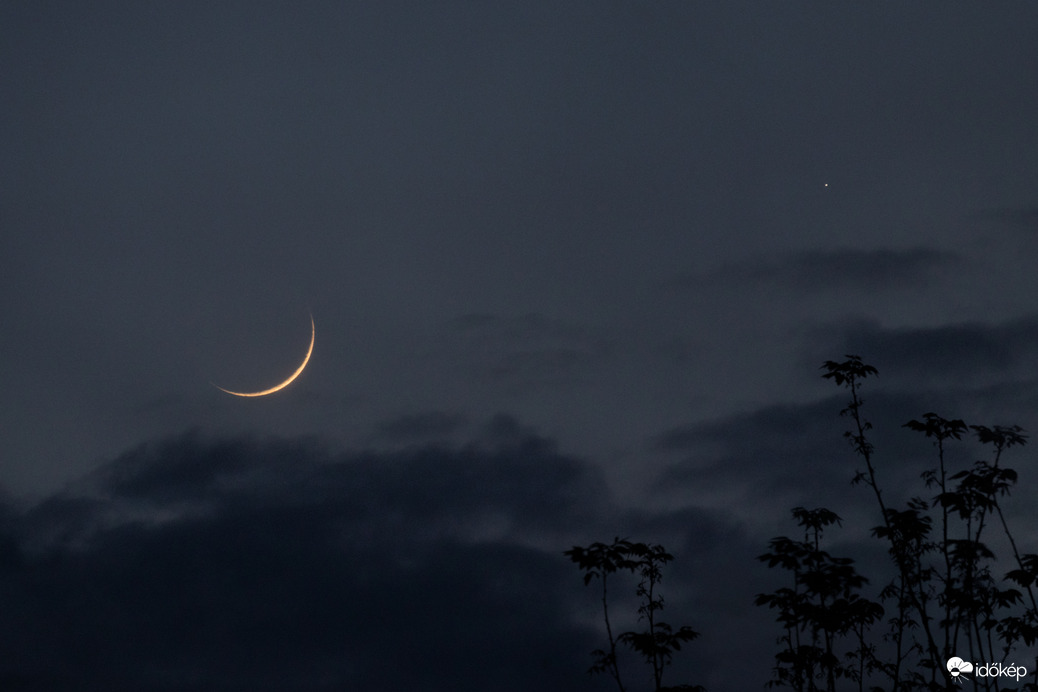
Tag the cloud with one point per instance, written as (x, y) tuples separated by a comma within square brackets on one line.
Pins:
[(273, 564), (528, 351), (300, 570), (1020, 217), (846, 269), (276, 564), (250, 563), (756, 465), (420, 427), (965, 352), (769, 459)]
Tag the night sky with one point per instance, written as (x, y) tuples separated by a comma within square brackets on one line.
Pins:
[(573, 269)]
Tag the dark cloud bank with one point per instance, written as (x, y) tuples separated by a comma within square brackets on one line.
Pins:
[(217, 563), (239, 564)]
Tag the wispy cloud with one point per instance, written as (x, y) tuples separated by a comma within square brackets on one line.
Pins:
[(966, 352), (527, 351), (1025, 218), (823, 270), (420, 427)]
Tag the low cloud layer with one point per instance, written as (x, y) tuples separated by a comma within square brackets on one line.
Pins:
[(232, 564), (239, 564)]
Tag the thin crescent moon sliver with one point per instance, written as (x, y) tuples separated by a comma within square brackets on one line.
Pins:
[(293, 376)]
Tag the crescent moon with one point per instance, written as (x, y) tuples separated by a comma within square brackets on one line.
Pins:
[(293, 376)]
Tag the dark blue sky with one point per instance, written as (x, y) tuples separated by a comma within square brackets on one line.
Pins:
[(572, 270)]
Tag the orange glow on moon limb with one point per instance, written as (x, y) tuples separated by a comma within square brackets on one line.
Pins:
[(293, 376)]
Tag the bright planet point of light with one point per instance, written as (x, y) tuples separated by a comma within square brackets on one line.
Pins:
[(294, 375)]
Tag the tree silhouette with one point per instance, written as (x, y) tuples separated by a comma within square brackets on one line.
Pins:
[(946, 598), (655, 644), (821, 607), (950, 611)]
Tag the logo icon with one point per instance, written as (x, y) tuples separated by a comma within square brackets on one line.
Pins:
[(957, 667)]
